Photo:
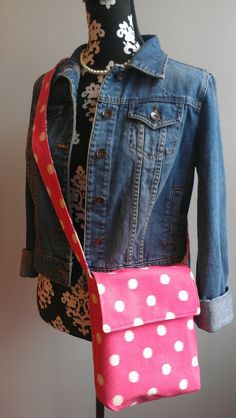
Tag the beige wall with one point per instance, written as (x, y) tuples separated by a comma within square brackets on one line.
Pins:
[(43, 372)]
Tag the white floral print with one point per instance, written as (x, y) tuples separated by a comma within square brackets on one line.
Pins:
[(126, 31), (90, 95), (107, 3), (91, 92), (76, 139)]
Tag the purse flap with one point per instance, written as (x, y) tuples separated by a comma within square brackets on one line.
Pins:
[(130, 297)]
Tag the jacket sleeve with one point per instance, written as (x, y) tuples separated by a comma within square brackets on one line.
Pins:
[(212, 257), (27, 257)]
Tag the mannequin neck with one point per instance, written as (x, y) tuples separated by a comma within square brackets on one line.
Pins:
[(113, 33)]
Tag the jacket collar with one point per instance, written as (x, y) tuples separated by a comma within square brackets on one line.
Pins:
[(149, 59)]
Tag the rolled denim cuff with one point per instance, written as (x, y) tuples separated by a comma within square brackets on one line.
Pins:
[(215, 313), (27, 268)]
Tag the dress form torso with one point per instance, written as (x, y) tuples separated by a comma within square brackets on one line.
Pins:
[(113, 38)]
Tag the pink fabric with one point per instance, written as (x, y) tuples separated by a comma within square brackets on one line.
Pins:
[(145, 344), (144, 338)]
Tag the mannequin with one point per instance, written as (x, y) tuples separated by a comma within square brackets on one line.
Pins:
[(113, 37)]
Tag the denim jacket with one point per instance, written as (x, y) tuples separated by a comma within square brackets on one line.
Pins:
[(156, 121)]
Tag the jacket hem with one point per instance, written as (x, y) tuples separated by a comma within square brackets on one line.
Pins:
[(27, 268), (158, 262), (55, 269)]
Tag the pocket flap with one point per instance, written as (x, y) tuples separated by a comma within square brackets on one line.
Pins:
[(133, 297), (156, 114)]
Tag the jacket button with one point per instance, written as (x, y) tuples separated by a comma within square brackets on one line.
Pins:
[(155, 115), (101, 153), (99, 200), (97, 241), (107, 113)]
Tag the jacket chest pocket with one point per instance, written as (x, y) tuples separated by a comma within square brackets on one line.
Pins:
[(155, 128)]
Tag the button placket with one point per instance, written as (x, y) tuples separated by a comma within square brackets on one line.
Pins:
[(101, 153)]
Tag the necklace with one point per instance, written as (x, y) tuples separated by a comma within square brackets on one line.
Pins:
[(91, 70)]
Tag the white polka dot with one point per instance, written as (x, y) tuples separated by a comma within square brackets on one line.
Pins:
[(114, 360), (195, 361), (101, 289), (191, 275), (190, 324), (119, 306), (144, 268), (198, 310), (183, 295), (106, 328), (133, 403), (152, 391), (161, 330), (133, 376), (170, 315), (132, 284), (147, 352), (165, 279), (166, 369), (183, 384), (138, 321), (151, 300), (117, 400), (129, 336), (179, 346)]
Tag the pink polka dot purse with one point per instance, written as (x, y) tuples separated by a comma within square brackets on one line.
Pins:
[(142, 319)]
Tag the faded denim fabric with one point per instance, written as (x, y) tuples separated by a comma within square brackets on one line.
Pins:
[(156, 122)]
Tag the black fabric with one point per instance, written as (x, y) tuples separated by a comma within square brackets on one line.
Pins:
[(111, 46), (100, 409)]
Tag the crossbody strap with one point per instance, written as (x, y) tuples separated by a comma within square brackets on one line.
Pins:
[(43, 158)]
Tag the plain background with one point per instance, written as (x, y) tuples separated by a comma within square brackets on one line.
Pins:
[(45, 373)]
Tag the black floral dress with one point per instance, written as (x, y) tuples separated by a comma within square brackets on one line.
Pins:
[(66, 309)]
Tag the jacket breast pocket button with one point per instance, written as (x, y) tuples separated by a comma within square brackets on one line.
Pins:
[(155, 115), (107, 113)]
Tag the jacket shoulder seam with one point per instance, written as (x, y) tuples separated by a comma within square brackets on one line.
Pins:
[(204, 87)]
